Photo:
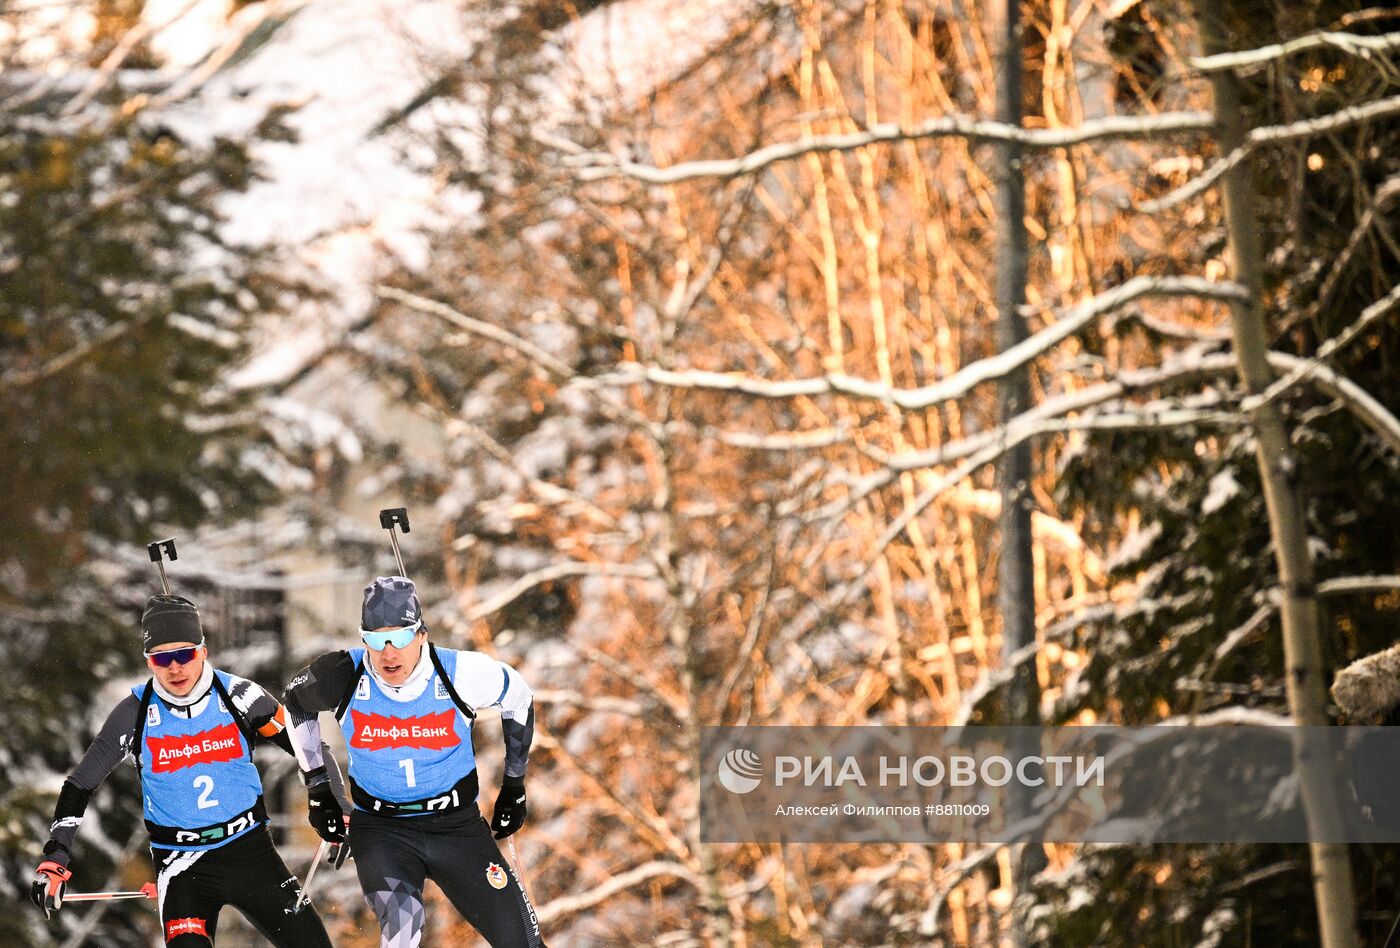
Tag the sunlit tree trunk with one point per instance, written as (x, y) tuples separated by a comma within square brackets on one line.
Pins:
[(1332, 884)]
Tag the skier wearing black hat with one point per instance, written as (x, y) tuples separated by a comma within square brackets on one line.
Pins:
[(406, 710), (190, 729)]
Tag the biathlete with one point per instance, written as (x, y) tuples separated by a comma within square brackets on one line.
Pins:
[(406, 710), (190, 730)]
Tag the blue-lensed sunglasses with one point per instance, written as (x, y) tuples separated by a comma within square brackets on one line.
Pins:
[(398, 638), (182, 655)]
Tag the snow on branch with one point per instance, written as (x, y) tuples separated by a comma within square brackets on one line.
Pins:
[(1357, 400), (551, 573), (124, 47), (1325, 351), (1158, 414), (62, 362), (596, 165), (477, 327), (574, 699), (1247, 630), (1269, 134), (1342, 118), (945, 390), (1363, 47), (617, 882), (1350, 584), (558, 369)]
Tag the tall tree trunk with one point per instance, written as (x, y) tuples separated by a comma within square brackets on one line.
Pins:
[(1332, 883), (1016, 569)]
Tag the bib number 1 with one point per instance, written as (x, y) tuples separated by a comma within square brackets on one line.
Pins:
[(407, 765)]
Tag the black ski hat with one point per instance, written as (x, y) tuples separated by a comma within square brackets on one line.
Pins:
[(169, 619), (390, 602)]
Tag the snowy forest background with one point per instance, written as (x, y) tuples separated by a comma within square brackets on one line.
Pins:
[(692, 335)]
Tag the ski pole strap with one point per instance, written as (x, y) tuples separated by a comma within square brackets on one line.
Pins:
[(349, 695), (446, 679), (140, 727), (148, 695), (207, 835), (467, 711), (463, 794), (244, 726)]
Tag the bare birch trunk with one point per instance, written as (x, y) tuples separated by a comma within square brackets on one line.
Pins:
[(1332, 883)]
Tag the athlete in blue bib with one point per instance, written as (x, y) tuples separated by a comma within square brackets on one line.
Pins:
[(190, 730), (198, 765), (406, 710), (405, 751)]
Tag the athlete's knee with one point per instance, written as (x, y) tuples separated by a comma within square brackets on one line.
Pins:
[(188, 932), (399, 909)]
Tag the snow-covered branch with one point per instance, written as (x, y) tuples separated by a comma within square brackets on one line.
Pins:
[(1332, 122), (1358, 401), (956, 385), (634, 677), (1325, 351), (65, 360), (1363, 47), (1269, 134), (114, 60), (574, 699), (551, 573), (619, 882), (593, 166), (250, 28), (478, 327), (1257, 621)]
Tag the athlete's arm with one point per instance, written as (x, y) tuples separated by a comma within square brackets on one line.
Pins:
[(318, 687), (483, 682), (267, 716), (108, 748)]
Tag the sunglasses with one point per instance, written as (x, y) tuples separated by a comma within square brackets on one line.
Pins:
[(182, 655), (398, 638)]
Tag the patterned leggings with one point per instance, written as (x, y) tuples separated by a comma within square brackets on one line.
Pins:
[(394, 855)]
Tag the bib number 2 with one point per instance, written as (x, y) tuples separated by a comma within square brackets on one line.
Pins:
[(205, 785)]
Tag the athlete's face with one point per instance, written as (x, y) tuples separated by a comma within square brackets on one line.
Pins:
[(394, 665), (177, 677)]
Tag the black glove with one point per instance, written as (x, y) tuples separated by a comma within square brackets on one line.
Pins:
[(338, 854), (50, 880), (325, 814), (509, 815)]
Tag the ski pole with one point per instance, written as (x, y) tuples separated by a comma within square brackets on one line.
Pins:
[(147, 891), (519, 868), (1390, 939), (158, 551), (304, 899), (389, 518)]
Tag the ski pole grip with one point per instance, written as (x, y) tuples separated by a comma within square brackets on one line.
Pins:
[(158, 551), (164, 547), (391, 517)]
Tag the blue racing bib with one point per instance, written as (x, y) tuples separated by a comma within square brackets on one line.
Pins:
[(407, 750), (196, 771)]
